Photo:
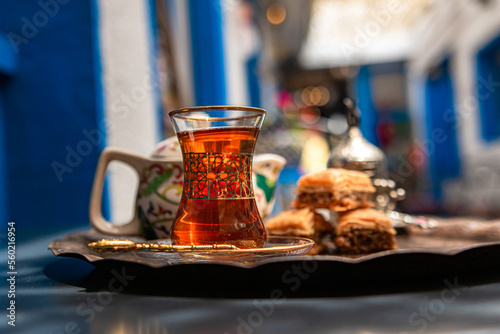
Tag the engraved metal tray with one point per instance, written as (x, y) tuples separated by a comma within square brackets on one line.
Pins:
[(456, 246), (77, 244)]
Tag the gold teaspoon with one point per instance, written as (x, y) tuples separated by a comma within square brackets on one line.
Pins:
[(118, 246)]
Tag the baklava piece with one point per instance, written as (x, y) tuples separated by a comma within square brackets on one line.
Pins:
[(303, 223), (364, 231), (336, 189)]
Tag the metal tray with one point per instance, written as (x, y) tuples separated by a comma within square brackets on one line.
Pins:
[(456, 246)]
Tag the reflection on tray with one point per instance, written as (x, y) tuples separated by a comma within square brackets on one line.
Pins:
[(450, 238), (275, 247)]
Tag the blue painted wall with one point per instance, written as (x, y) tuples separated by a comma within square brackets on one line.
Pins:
[(253, 81), (207, 50), (3, 156), (52, 111), (441, 128), (488, 92), (369, 116)]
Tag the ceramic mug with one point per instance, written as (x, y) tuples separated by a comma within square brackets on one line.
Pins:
[(266, 169), (160, 188), (158, 194)]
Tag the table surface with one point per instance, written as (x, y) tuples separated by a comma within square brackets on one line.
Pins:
[(64, 295)]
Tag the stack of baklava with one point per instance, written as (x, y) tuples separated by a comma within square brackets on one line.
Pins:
[(359, 228)]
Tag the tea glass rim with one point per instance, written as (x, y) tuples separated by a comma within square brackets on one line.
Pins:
[(178, 113)]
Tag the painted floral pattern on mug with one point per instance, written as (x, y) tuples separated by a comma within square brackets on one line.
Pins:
[(266, 169), (160, 190)]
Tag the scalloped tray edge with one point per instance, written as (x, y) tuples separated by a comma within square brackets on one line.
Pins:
[(92, 258)]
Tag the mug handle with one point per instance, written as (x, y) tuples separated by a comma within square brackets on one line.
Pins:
[(95, 210)]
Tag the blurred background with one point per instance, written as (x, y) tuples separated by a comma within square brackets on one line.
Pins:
[(77, 76)]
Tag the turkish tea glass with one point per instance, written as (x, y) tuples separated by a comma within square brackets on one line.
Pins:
[(218, 204)]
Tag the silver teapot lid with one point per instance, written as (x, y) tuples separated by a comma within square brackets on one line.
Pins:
[(355, 152)]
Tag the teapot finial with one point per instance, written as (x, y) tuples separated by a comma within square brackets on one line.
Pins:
[(352, 112), (354, 151)]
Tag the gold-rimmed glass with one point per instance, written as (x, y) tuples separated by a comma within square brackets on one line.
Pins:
[(218, 204)]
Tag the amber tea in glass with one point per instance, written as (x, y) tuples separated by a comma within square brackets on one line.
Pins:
[(217, 204)]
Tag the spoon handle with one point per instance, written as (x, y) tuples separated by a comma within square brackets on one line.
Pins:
[(118, 246)]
